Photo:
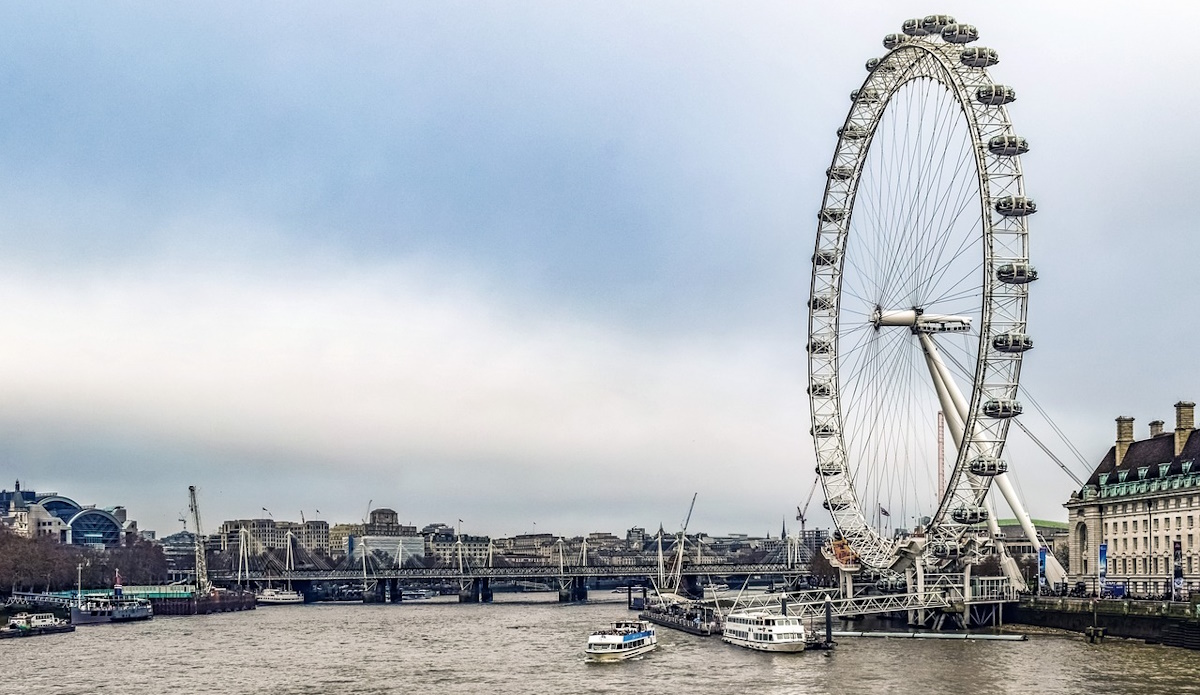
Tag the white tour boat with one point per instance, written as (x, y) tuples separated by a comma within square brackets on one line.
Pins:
[(767, 632), (278, 597), (110, 609), (625, 639), (26, 625)]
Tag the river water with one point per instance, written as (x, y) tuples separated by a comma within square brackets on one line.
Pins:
[(524, 645)]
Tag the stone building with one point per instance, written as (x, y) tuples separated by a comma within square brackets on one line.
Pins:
[(339, 535), (386, 522), (268, 534), (444, 548), (50, 515), (1141, 499)]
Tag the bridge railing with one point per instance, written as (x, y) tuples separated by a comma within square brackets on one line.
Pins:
[(527, 572)]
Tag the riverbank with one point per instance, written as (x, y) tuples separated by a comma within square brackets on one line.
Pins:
[(1173, 624)]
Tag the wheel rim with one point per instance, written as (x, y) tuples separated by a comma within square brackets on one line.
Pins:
[(884, 205)]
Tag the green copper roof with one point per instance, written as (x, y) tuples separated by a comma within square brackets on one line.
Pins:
[(1036, 522)]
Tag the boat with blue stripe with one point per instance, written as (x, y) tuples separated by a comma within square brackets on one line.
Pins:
[(624, 639)]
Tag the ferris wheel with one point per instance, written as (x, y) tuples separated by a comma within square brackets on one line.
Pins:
[(920, 279)]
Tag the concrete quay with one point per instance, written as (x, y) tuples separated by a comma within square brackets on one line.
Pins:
[(1174, 624)]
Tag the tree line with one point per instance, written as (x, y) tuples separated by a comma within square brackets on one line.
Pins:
[(43, 564)]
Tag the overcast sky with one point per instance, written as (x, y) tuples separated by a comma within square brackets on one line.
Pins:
[(525, 262)]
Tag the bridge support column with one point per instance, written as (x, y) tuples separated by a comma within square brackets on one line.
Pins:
[(572, 590), (846, 583), (479, 590), (375, 592), (396, 594), (307, 590)]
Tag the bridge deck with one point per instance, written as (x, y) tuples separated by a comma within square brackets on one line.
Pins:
[(514, 573)]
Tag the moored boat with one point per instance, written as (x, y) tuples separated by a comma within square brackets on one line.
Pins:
[(278, 597), (624, 639), (110, 609), (114, 608), (764, 631), (28, 625)]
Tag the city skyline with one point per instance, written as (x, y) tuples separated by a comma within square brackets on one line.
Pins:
[(521, 263)]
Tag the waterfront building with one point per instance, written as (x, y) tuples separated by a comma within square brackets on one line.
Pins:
[(339, 535), (813, 539), (444, 548), (268, 534), (602, 539), (1016, 543), (313, 534), (386, 522), (262, 534), (50, 515), (1141, 500), (635, 538), (180, 551)]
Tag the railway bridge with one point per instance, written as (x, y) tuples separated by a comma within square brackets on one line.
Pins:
[(475, 583)]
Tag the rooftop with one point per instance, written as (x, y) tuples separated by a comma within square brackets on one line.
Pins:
[(1150, 454)]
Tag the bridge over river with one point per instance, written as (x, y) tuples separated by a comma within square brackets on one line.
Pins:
[(475, 581)]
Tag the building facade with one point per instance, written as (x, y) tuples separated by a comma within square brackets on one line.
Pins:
[(50, 515), (1143, 502), (339, 535), (444, 548), (386, 522), (268, 534)]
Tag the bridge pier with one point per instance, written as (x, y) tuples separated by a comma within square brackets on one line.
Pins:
[(635, 604), (375, 592), (395, 593), (573, 590), (307, 590), (478, 591), (691, 587)]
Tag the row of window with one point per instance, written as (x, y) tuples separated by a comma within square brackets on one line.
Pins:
[(1146, 565), (1166, 523), (1152, 505), (1143, 543)]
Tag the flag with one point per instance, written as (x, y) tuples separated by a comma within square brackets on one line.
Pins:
[(882, 511)]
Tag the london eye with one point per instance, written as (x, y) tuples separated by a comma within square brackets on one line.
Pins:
[(920, 280)]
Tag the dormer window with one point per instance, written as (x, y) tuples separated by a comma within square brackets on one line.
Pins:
[(1143, 472), (1164, 469), (1186, 466), (1104, 479), (1122, 475)]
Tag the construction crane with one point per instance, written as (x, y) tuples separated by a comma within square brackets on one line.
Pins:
[(802, 512), (202, 586), (677, 579), (689, 514)]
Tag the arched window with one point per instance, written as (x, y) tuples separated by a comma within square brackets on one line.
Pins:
[(1081, 537)]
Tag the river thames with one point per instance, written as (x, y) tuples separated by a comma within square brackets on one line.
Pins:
[(521, 644)]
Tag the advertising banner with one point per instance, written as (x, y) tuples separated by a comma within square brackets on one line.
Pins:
[(1042, 570), (1102, 568), (1177, 584)]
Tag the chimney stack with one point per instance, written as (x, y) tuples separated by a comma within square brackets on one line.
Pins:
[(1124, 436), (1156, 428), (1185, 422)]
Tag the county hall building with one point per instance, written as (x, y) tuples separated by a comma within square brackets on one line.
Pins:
[(1141, 500)]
